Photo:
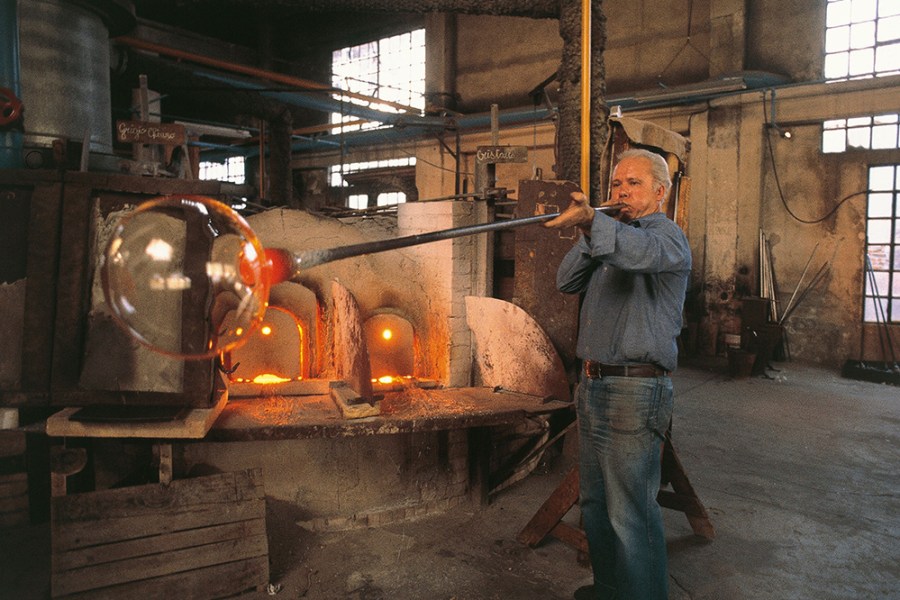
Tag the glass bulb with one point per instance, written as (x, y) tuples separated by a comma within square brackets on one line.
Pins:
[(186, 276)]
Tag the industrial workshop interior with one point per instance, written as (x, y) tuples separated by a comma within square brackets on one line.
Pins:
[(352, 375)]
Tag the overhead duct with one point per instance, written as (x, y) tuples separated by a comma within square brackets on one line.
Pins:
[(402, 124)]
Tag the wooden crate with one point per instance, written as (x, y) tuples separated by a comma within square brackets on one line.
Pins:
[(13, 479), (194, 538)]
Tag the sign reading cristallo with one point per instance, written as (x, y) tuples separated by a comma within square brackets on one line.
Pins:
[(142, 132), (501, 154)]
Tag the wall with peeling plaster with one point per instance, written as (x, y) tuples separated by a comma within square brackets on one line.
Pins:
[(734, 192)]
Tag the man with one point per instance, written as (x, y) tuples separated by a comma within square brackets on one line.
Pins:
[(633, 270)]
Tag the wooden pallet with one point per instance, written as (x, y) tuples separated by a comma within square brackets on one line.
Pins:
[(194, 538)]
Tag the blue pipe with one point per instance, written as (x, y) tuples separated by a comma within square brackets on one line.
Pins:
[(11, 137), (403, 127), (319, 100)]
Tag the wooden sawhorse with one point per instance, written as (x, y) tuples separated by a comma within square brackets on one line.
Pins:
[(548, 519)]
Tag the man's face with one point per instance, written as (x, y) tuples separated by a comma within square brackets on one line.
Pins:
[(633, 184)]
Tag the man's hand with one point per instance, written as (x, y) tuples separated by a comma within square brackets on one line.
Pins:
[(579, 214)]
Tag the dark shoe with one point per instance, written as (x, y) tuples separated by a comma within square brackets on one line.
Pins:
[(589, 592), (585, 593)]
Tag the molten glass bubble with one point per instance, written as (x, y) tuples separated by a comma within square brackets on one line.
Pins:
[(186, 276)]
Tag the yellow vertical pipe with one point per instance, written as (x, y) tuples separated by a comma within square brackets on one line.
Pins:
[(586, 96)]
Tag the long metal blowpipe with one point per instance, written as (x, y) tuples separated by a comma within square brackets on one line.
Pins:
[(288, 266), (198, 255)]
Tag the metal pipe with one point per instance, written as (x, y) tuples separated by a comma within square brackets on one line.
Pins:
[(305, 84), (586, 95), (11, 138), (790, 303), (311, 258)]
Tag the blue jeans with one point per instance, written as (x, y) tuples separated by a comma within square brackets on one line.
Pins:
[(621, 425)]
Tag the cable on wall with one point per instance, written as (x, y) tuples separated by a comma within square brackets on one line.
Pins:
[(771, 125)]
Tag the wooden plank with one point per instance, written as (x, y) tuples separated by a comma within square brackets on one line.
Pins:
[(674, 473), (195, 424), (552, 511), (571, 536), (81, 520), (124, 528), (72, 289), (14, 519), (155, 544), (689, 505), (351, 404), (14, 504), (197, 538), (40, 291), (14, 501), (219, 581), (11, 483), (165, 463), (157, 565), (12, 442)]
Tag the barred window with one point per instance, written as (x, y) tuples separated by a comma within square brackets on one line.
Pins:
[(862, 39), (881, 301), (357, 201), (232, 169), (390, 69), (870, 133)]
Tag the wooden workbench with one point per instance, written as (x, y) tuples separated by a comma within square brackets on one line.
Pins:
[(409, 410)]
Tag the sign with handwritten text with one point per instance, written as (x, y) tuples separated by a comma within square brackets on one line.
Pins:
[(142, 132), (501, 154)]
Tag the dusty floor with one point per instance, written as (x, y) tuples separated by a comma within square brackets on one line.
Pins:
[(798, 472)]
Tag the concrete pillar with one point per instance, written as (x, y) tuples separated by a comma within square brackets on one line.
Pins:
[(727, 36), (440, 62)]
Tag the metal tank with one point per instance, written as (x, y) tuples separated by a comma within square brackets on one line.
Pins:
[(64, 69)]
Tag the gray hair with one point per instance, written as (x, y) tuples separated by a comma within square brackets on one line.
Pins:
[(659, 170)]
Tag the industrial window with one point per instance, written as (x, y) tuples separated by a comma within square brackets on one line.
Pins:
[(390, 69), (862, 39), (882, 287), (870, 133), (357, 201), (232, 169)]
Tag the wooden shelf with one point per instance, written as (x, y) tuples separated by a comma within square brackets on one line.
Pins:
[(194, 423)]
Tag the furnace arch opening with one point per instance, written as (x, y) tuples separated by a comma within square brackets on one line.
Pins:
[(274, 353), (390, 340)]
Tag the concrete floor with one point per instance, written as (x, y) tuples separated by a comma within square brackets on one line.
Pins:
[(798, 473)]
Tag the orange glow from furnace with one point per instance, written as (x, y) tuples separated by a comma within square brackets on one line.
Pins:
[(268, 378), (266, 330), (391, 378), (387, 334)]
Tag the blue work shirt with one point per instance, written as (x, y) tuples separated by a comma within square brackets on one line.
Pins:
[(635, 277)]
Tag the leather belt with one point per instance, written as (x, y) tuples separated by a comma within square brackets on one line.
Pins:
[(597, 370)]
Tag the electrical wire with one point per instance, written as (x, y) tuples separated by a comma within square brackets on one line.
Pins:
[(781, 196)]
